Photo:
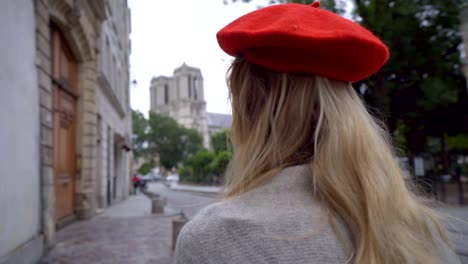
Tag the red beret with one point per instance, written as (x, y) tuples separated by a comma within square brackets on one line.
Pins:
[(300, 38)]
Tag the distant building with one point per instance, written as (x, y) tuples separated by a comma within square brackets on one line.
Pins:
[(217, 122), (182, 97), (53, 99)]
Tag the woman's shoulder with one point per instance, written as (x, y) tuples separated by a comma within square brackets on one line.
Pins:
[(237, 228), (199, 235), (210, 218)]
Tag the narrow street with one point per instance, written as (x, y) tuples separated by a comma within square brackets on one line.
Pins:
[(128, 232), (188, 202)]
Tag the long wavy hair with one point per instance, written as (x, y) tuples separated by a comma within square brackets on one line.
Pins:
[(281, 120)]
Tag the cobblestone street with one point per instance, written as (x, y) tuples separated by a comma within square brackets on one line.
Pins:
[(128, 233), (124, 233)]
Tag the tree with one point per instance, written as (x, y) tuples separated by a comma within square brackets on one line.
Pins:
[(140, 125), (146, 168), (421, 87), (336, 6), (200, 164), (170, 141), (191, 142), (220, 162), (185, 174), (220, 141)]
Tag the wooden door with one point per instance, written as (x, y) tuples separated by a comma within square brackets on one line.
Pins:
[(64, 77)]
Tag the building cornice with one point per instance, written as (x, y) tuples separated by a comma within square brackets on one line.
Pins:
[(109, 93)]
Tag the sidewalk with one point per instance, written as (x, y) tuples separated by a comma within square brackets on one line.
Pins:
[(128, 233), (133, 206), (191, 188), (123, 233)]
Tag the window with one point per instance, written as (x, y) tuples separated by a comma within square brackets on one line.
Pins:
[(166, 94), (113, 75), (195, 88), (189, 81), (153, 97), (99, 128), (106, 59)]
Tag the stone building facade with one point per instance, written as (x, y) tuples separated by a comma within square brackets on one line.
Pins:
[(52, 101), (217, 122), (181, 97), (113, 158), (21, 238)]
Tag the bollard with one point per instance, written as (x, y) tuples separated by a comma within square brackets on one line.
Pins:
[(157, 205), (177, 225)]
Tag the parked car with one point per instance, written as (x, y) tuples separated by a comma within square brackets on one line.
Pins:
[(155, 174), (173, 178), (146, 177)]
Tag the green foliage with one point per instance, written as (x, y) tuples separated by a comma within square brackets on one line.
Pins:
[(185, 173), (139, 124), (336, 6), (191, 142), (205, 166), (435, 94), (421, 89), (145, 168), (220, 141), (172, 142), (421, 85), (220, 162), (200, 164), (161, 136), (304, 2), (455, 143), (399, 138), (458, 142)]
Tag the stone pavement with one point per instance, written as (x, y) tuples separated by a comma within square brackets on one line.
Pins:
[(189, 202), (124, 233), (128, 233), (193, 188)]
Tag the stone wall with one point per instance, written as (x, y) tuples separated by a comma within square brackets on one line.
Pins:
[(43, 67), (84, 191), (188, 110), (27, 196), (113, 177), (20, 239), (79, 22)]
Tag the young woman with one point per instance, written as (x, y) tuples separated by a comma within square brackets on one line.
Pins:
[(313, 178)]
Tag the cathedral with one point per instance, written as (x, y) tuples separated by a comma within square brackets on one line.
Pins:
[(182, 98)]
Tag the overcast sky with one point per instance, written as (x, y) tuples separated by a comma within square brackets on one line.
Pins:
[(166, 33)]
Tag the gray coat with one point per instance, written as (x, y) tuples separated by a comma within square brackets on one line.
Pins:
[(279, 222)]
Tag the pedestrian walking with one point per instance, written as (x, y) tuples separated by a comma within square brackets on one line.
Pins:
[(313, 178), (136, 182)]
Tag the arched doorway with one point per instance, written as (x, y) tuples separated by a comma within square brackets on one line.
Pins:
[(65, 95)]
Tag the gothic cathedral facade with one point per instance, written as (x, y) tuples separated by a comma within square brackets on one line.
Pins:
[(181, 97)]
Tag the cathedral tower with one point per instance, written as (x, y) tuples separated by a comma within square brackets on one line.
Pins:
[(182, 98)]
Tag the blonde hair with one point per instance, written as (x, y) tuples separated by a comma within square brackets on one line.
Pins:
[(281, 120)]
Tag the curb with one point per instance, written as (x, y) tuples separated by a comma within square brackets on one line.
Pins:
[(210, 194)]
